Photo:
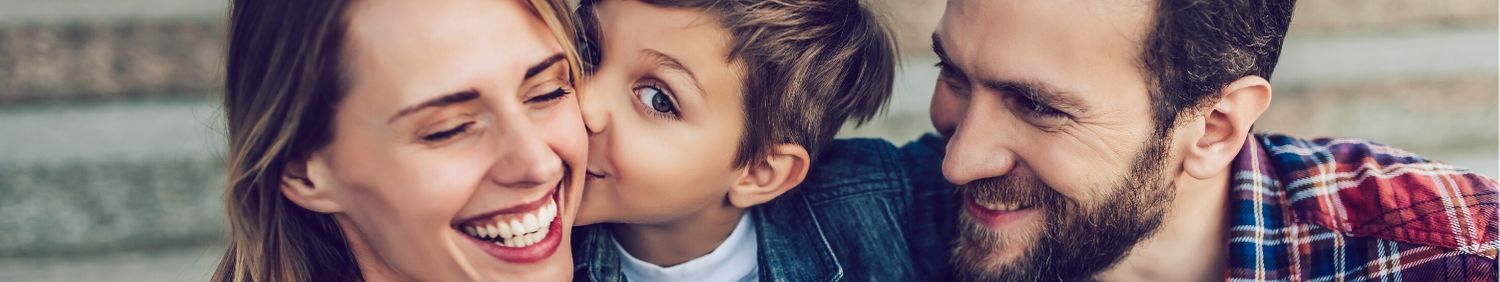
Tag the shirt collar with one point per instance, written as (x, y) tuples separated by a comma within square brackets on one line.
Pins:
[(733, 260)]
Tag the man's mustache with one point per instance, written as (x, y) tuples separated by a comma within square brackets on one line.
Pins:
[(1025, 191)]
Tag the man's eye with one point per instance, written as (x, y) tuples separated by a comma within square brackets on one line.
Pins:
[(949, 76), (1032, 108), (656, 100), (447, 134)]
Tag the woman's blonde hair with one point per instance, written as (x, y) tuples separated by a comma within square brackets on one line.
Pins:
[(284, 78)]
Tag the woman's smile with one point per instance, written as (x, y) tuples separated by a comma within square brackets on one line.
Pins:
[(522, 233)]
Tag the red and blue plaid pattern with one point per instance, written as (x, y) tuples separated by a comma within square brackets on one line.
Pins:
[(1353, 210)]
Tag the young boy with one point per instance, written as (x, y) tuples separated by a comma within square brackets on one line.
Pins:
[(705, 114)]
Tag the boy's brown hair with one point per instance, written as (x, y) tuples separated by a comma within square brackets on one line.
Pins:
[(810, 66)]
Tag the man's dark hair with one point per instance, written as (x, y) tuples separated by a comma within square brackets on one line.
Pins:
[(1196, 47), (810, 66)]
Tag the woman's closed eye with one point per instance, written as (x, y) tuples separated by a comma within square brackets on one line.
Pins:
[(558, 93), (657, 101), (446, 134)]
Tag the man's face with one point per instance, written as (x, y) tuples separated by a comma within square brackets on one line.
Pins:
[(1052, 140)]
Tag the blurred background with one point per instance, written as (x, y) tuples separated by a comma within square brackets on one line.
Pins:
[(111, 142)]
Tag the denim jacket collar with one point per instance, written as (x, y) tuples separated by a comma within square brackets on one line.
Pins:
[(791, 249), (794, 248), (595, 259)]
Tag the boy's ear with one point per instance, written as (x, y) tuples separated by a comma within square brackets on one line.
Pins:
[(306, 183), (784, 168), (1226, 126)]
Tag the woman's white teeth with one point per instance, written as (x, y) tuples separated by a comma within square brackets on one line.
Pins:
[(504, 232), (518, 231)]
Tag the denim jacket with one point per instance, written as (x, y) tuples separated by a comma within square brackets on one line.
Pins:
[(868, 211)]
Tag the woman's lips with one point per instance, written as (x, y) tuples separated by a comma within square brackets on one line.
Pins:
[(516, 231), (519, 236)]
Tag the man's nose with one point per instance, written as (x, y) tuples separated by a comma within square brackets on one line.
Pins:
[(978, 148)]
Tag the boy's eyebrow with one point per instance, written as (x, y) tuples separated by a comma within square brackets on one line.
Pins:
[(672, 65)]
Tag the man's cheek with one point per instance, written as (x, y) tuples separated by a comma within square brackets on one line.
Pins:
[(946, 112)]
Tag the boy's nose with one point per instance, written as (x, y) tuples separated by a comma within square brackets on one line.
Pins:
[(592, 104)]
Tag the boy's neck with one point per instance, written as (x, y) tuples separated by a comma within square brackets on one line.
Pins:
[(675, 242)]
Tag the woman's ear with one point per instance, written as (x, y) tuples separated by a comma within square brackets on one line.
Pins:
[(1227, 125), (306, 183), (784, 168)]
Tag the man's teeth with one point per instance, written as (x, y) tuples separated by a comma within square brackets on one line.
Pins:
[(1000, 206), (520, 231)]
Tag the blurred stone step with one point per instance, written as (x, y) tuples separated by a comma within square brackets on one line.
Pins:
[(176, 263), (109, 175), (70, 49)]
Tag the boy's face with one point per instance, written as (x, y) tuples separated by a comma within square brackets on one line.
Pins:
[(664, 112)]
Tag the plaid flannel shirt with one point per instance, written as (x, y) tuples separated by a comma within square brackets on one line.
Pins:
[(1352, 210)]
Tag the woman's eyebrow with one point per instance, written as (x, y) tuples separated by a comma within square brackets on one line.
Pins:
[(440, 101), (543, 65)]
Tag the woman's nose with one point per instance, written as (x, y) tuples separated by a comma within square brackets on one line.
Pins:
[(525, 160)]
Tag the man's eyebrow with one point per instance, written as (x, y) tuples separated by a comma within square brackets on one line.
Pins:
[(671, 64), (937, 47), (441, 101), (943, 60), (1034, 90), (1037, 91), (546, 63)]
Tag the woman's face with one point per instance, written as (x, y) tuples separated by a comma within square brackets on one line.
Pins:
[(457, 152)]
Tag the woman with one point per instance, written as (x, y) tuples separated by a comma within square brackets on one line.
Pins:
[(401, 140)]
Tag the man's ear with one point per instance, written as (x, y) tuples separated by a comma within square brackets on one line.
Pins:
[(784, 168), (306, 183), (1227, 125)]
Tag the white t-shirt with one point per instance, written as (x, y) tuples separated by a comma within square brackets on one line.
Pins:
[(733, 260)]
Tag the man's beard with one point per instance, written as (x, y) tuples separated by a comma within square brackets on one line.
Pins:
[(1078, 240)]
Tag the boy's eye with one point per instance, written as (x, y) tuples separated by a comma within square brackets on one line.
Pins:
[(656, 100)]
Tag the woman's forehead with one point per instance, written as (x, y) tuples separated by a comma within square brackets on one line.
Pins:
[(420, 46)]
